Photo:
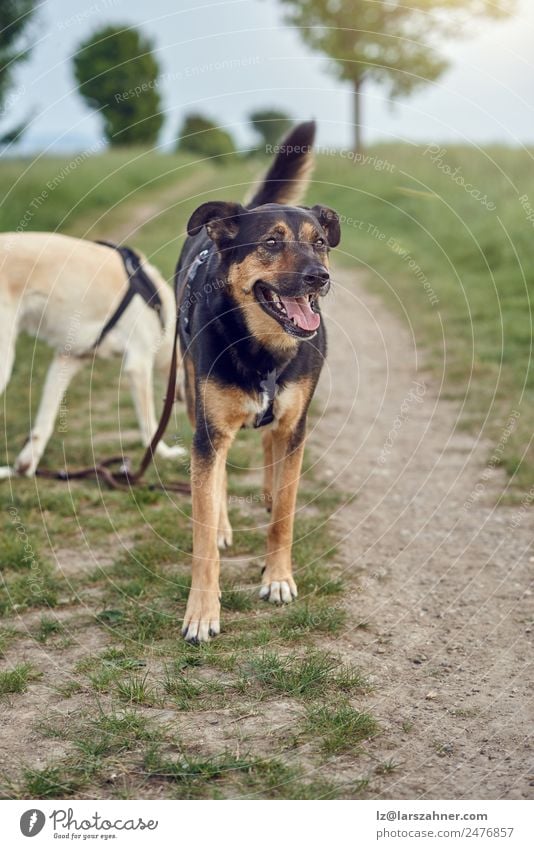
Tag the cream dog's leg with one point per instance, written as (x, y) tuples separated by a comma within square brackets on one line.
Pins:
[(7, 353), (8, 338), (61, 371), (142, 387)]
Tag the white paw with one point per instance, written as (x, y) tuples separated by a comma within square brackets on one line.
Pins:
[(279, 592), (201, 630), (202, 616), (170, 452), (26, 462), (7, 472)]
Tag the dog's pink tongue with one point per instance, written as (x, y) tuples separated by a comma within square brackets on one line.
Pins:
[(301, 313)]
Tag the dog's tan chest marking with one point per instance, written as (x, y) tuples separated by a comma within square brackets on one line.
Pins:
[(229, 407)]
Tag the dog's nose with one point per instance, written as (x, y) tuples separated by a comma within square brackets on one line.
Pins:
[(317, 278)]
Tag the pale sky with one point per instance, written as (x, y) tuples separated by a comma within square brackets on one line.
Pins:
[(228, 57)]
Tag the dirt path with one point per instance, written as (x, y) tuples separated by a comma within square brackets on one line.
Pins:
[(442, 587), (127, 220)]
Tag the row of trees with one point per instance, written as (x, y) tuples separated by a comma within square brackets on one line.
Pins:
[(202, 136), (390, 42), (117, 74)]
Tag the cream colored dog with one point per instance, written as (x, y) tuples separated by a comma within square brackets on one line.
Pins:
[(63, 290)]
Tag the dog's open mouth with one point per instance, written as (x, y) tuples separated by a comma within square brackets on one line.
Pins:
[(299, 315)]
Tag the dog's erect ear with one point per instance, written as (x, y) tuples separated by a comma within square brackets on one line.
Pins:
[(329, 221), (220, 218)]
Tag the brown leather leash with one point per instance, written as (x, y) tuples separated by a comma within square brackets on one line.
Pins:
[(124, 477)]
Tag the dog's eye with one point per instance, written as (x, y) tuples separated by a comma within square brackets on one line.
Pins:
[(271, 243), (320, 243)]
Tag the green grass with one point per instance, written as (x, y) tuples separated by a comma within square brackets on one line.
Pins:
[(136, 689), (184, 692), (233, 598), (341, 728), (16, 553), (96, 188), (48, 628), (303, 619), (20, 593), (113, 734), (192, 769), (16, 680), (7, 636), (318, 580), (387, 767), (49, 782), (300, 677), (249, 777)]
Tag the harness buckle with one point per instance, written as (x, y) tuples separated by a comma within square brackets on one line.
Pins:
[(269, 386)]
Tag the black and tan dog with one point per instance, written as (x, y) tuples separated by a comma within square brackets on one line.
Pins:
[(249, 281)]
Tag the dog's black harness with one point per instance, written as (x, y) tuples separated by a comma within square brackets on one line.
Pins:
[(268, 382), (187, 301), (139, 283)]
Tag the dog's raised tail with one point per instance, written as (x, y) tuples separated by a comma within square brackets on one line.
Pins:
[(287, 179)]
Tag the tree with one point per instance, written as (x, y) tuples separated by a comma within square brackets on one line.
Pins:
[(389, 41), (117, 74), (15, 15), (270, 124), (200, 135)]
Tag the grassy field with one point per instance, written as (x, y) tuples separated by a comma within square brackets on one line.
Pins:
[(111, 701), (446, 239)]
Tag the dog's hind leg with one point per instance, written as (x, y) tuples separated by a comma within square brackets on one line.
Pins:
[(278, 584), (8, 338), (62, 369), (268, 470), (142, 387), (180, 383), (224, 533)]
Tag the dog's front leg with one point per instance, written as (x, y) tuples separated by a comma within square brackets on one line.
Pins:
[(208, 464), (287, 446)]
